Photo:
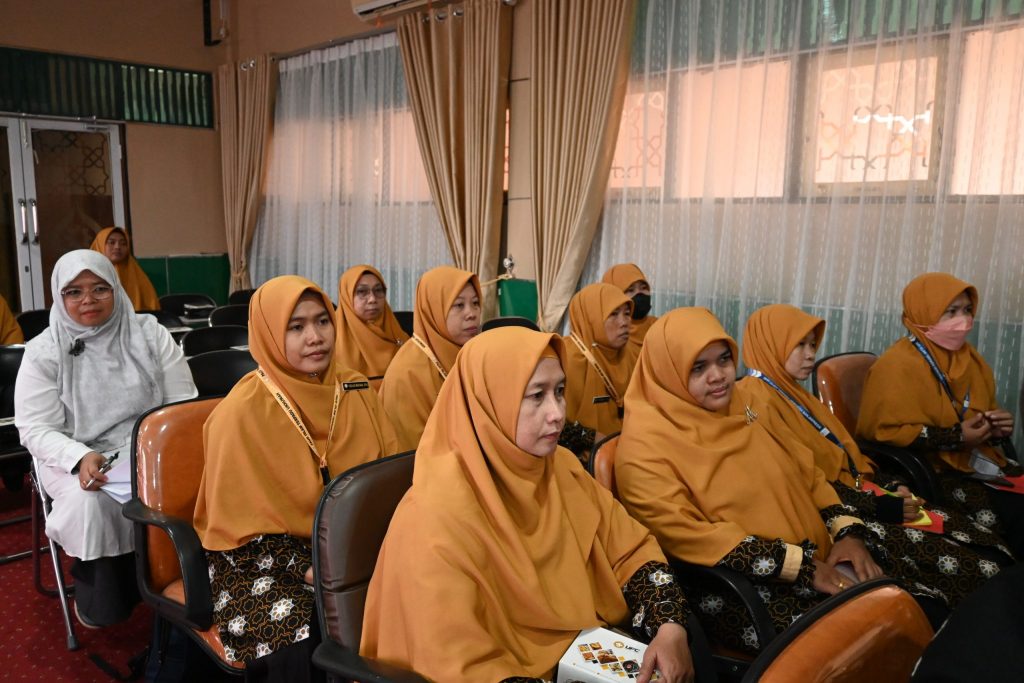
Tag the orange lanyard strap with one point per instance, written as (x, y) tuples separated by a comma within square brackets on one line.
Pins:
[(300, 426), (600, 371), (428, 352)]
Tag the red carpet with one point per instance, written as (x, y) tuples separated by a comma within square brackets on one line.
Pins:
[(32, 639)]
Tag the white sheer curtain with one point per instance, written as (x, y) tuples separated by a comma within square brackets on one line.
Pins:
[(823, 153), (345, 184)]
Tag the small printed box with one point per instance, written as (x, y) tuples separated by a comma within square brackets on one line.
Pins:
[(599, 655)]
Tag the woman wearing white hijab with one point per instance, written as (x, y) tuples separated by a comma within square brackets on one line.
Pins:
[(83, 383)]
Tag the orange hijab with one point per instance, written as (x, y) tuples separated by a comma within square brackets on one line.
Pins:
[(260, 475), (365, 347), (588, 310), (771, 335), (134, 280), (10, 331), (622, 276), (412, 380), (901, 395), (703, 481), (496, 559)]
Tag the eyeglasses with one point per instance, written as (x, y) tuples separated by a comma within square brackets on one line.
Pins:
[(76, 294), (378, 292)]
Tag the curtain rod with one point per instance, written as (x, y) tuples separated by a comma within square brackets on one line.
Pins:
[(331, 43)]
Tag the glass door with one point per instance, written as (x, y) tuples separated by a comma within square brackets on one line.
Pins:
[(62, 185)]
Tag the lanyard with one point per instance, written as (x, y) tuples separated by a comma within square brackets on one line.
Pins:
[(300, 426), (822, 429), (430, 355), (600, 371), (941, 376)]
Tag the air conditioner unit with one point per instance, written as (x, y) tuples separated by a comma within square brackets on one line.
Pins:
[(371, 10)]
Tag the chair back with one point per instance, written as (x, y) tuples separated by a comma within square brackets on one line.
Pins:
[(216, 372), (167, 452), (404, 321), (232, 314), (602, 462), (241, 296), (203, 339), (876, 634), (510, 321), (10, 362), (348, 530), (163, 317), (33, 322), (839, 382), (175, 303)]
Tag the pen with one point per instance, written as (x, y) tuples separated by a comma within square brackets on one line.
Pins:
[(104, 468)]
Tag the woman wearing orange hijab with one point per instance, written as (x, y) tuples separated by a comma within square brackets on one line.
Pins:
[(633, 283), (699, 468), (10, 331), (115, 245), (599, 362), (525, 548), (368, 332), (446, 315), (265, 472), (933, 392), (779, 346)]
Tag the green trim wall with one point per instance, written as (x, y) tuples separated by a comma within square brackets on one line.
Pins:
[(191, 273)]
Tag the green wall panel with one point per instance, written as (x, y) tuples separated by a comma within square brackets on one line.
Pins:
[(195, 273)]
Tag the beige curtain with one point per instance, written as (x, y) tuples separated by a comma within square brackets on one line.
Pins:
[(579, 67), (246, 99), (456, 71)]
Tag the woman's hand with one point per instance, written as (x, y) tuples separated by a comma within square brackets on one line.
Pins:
[(911, 505), (1001, 422), (976, 430), (852, 550), (89, 470), (828, 580), (669, 653), (308, 578)]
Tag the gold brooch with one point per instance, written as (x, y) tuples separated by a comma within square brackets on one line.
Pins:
[(750, 414)]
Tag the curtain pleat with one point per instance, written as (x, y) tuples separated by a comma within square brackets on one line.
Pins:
[(246, 97), (579, 68), (456, 69)]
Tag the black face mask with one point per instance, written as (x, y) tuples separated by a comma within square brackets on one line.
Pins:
[(641, 305)]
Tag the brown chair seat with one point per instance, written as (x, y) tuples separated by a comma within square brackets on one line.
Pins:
[(176, 591)]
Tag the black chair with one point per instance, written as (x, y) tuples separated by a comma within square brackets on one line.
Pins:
[(510, 321), (232, 314), (216, 372), (348, 530), (41, 505), (175, 304), (241, 296), (203, 339), (404, 321), (15, 460), (163, 317), (33, 322)]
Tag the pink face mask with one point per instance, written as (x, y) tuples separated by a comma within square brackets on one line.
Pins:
[(951, 334)]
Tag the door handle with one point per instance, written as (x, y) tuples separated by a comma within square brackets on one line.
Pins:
[(24, 224), (35, 222)]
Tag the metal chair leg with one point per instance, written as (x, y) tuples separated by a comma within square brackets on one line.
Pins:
[(40, 505)]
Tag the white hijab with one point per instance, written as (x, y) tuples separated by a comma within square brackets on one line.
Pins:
[(116, 376)]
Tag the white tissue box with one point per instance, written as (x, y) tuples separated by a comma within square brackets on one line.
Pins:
[(599, 655)]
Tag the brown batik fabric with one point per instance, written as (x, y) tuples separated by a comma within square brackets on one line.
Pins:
[(261, 601)]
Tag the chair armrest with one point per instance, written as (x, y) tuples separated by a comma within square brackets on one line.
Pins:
[(905, 461), (195, 575), (741, 586), (343, 662)]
